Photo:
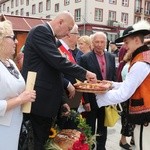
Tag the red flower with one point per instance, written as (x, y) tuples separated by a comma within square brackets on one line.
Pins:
[(85, 147), (78, 145), (82, 138)]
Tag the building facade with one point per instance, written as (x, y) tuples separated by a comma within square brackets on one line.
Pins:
[(110, 16)]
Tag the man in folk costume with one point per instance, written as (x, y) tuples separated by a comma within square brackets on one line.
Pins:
[(136, 86)]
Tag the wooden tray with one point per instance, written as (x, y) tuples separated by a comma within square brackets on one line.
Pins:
[(99, 87), (91, 91)]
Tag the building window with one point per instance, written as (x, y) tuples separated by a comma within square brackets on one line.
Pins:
[(137, 19), (27, 2), (112, 1), (77, 15), (12, 3), (48, 16), (8, 9), (125, 3), (27, 13), (112, 15), (33, 9), (48, 4), (17, 3), (40, 7), (57, 7), (12, 13), (138, 8), (17, 12), (66, 2), (147, 19), (21, 12), (77, 1), (98, 14), (21, 2), (4, 7), (147, 8), (124, 18)]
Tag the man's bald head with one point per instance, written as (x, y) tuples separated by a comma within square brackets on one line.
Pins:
[(62, 24)]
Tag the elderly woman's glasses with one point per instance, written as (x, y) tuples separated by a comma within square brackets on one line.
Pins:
[(13, 37)]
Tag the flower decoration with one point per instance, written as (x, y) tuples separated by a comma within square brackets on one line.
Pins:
[(72, 139), (53, 132), (83, 127), (80, 144)]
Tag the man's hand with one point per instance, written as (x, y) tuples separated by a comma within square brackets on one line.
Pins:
[(87, 107), (91, 77), (71, 91), (65, 109)]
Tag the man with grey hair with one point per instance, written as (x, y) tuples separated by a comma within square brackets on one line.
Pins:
[(66, 46), (102, 63)]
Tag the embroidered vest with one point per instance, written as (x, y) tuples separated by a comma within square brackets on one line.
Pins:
[(139, 105)]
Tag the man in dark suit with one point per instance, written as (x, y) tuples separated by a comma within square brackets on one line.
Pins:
[(42, 56), (102, 63), (66, 46)]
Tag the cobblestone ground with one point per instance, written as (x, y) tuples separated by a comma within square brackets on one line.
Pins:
[(114, 137)]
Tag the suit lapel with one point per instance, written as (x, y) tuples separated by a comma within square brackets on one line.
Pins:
[(50, 30), (96, 64), (107, 63)]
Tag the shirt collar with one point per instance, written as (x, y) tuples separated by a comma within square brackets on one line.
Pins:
[(64, 44), (51, 28)]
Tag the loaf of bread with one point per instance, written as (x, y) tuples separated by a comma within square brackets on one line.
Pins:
[(66, 138)]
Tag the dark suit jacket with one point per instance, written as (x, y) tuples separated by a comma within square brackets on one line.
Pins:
[(42, 56), (77, 54), (89, 61)]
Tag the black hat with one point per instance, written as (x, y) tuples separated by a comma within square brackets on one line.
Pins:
[(142, 27)]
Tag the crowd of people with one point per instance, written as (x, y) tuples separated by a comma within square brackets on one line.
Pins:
[(61, 57)]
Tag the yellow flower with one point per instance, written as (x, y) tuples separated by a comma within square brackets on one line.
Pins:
[(53, 133), (80, 116)]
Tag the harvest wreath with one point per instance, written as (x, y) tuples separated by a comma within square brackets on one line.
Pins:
[(71, 139)]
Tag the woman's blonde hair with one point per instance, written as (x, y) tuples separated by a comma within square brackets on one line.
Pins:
[(86, 39), (5, 29)]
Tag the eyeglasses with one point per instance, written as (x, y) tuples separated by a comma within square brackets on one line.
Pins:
[(13, 37), (75, 33)]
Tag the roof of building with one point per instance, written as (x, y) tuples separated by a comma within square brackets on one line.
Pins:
[(2, 1), (21, 23)]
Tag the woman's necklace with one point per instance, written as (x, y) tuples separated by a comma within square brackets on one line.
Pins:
[(11, 68)]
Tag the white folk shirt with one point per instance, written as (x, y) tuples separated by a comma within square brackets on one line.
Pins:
[(124, 90)]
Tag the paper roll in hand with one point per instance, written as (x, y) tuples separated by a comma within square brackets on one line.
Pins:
[(26, 108)]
